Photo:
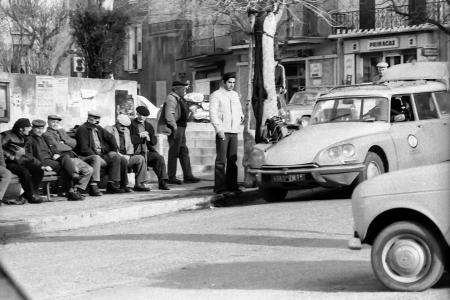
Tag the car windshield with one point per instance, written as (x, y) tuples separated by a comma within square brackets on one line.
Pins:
[(303, 98), (360, 109)]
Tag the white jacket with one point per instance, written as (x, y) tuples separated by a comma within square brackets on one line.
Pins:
[(225, 111)]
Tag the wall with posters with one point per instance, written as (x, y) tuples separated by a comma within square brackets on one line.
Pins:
[(36, 96)]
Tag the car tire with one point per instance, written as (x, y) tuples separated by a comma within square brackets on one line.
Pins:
[(406, 256), (273, 194), (373, 166)]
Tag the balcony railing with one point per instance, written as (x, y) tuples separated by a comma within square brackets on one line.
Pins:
[(212, 45), (387, 18)]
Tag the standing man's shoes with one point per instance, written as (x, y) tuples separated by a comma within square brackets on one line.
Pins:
[(191, 179), (174, 181), (94, 191), (126, 189), (162, 185), (141, 188), (113, 189)]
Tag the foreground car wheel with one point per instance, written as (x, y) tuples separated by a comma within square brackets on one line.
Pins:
[(407, 257), (273, 194)]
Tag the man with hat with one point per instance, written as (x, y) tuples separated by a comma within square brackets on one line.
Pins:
[(176, 113), (92, 139), (121, 133), (144, 139), (381, 68), (27, 168), (72, 179)]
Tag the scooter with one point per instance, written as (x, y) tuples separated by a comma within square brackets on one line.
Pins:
[(198, 106)]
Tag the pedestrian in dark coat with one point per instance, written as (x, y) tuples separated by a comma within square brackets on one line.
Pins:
[(26, 167), (144, 141), (5, 174), (92, 139)]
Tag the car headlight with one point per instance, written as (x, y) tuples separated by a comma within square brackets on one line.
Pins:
[(256, 158), (337, 155)]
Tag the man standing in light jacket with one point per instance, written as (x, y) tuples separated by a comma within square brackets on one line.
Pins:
[(226, 116)]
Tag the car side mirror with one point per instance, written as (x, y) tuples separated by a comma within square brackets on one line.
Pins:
[(399, 118)]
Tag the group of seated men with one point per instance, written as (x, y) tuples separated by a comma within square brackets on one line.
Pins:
[(28, 150)]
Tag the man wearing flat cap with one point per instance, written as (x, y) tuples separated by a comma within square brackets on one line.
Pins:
[(93, 139), (25, 166), (72, 179), (144, 139), (121, 133), (381, 69), (176, 113)]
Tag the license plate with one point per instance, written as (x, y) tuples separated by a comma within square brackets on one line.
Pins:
[(288, 178)]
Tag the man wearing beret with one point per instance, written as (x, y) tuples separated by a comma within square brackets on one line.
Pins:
[(176, 113), (92, 139), (60, 142), (381, 69), (73, 179), (26, 167), (121, 133), (144, 139)]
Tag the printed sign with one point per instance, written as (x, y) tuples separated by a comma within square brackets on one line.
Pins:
[(383, 43)]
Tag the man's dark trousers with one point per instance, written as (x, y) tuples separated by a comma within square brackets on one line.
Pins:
[(178, 149), (226, 171)]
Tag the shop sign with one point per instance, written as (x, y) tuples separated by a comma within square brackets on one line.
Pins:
[(383, 43), (430, 52), (316, 70)]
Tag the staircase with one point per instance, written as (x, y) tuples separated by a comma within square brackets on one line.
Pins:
[(200, 139)]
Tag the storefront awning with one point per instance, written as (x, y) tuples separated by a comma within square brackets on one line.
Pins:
[(352, 33)]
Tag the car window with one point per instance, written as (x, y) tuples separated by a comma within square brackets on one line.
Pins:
[(443, 102), (350, 110), (401, 104), (426, 109), (303, 98)]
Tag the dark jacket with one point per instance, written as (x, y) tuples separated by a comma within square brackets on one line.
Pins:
[(59, 139), (137, 141), (38, 147), (12, 141), (85, 141)]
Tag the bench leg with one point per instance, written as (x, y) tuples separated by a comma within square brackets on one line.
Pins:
[(47, 190)]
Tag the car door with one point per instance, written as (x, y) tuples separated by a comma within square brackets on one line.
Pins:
[(442, 99), (435, 134), (407, 134)]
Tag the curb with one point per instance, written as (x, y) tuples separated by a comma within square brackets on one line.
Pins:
[(38, 225)]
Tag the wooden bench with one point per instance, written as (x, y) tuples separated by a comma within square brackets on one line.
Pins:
[(48, 178)]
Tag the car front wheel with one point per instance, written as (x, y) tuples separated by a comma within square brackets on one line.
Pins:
[(273, 194), (406, 256), (373, 166)]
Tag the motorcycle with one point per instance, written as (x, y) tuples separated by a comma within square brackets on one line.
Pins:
[(198, 106)]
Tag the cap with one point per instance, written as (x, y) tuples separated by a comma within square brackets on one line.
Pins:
[(22, 122), (382, 64), (143, 111), (94, 113), (38, 123), (123, 120), (54, 117), (177, 83)]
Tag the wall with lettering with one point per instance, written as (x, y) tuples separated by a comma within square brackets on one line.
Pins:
[(35, 97)]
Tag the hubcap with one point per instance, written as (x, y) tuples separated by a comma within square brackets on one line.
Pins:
[(373, 170), (406, 259)]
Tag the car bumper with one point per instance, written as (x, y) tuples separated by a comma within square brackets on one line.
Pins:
[(330, 176)]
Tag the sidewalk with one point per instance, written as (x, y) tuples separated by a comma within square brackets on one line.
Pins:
[(60, 214)]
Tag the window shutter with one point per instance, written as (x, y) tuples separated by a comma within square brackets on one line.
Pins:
[(131, 47), (139, 46), (126, 51)]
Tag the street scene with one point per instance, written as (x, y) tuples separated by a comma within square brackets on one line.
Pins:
[(224, 149)]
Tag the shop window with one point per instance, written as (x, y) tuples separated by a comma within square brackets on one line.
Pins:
[(133, 49), (4, 102)]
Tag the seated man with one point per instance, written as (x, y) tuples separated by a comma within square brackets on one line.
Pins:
[(27, 168), (5, 175), (60, 142), (92, 139), (73, 179), (143, 139), (135, 162)]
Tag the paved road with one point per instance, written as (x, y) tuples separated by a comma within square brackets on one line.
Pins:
[(290, 250)]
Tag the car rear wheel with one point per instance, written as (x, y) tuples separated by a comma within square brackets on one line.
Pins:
[(373, 167), (406, 256), (273, 194)]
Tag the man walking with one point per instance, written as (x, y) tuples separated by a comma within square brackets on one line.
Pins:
[(226, 116), (176, 114), (144, 139)]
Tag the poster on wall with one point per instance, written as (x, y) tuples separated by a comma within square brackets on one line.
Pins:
[(51, 95), (61, 92), (349, 69)]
